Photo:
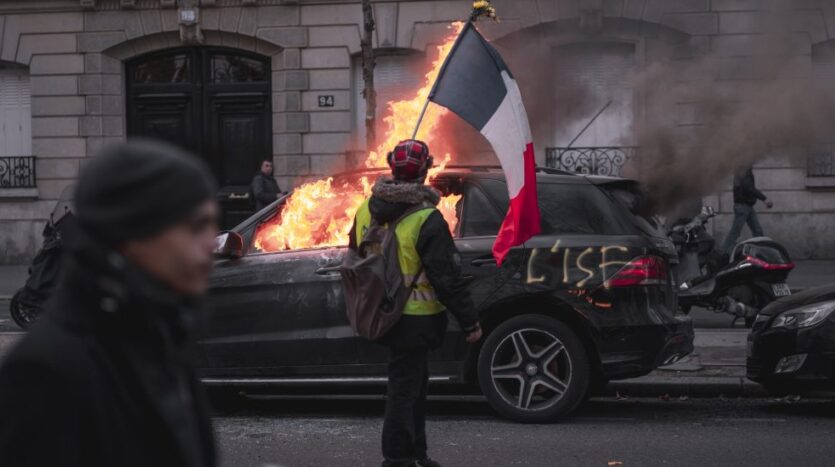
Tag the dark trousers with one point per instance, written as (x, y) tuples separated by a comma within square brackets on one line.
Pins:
[(743, 214), (404, 428)]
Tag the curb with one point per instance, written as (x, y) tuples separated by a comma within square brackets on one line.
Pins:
[(690, 386)]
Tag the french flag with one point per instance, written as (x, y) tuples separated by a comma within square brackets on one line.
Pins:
[(476, 84)]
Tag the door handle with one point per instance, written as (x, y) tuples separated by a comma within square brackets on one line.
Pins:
[(479, 262), (328, 271)]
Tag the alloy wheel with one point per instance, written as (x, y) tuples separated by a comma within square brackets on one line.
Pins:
[(531, 369)]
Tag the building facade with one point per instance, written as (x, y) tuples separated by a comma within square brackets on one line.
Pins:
[(237, 81)]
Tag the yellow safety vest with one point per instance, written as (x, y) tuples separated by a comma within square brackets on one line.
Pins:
[(423, 301)]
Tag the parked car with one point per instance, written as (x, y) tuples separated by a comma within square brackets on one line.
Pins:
[(791, 348), (589, 300)]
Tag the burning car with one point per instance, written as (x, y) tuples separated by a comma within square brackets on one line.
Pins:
[(588, 300)]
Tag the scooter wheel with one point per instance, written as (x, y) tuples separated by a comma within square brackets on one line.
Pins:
[(22, 314)]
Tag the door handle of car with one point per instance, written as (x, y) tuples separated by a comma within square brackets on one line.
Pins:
[(328, 271), (479, 262)]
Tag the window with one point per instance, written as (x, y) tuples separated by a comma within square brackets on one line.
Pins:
[(480, 217), (395, 77), (571, 208), (164, 69), (236, 69), (15, 112), (821, 162), (601, 71)]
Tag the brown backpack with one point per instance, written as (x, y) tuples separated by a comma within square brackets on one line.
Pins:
[(374, 289)]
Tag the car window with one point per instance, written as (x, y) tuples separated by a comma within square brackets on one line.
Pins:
[(571, 208), (480, 217)]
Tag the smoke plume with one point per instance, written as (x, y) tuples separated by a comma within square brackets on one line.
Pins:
[(736, 111)]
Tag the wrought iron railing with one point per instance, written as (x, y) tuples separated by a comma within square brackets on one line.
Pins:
[(590, 160), (821, 161), (17, 172)]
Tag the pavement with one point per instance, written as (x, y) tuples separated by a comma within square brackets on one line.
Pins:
[(715, 369), (605, 431)]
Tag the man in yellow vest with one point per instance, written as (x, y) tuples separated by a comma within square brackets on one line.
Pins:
[(426, 251)]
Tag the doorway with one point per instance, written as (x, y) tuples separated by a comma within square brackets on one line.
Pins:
[(212, 101)]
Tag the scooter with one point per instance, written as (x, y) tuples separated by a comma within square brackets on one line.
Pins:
[(740, 283), (28, 302)]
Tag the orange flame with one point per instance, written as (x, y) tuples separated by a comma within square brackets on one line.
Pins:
[(321, 213)]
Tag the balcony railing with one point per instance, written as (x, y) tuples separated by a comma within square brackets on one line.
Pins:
[(17, 172), (821, 161), (591, 160)]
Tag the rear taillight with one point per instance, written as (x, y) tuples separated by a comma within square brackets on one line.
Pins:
[(770, 266), (643, 270)]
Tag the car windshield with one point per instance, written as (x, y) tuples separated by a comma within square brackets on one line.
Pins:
[(320, 214), (571, 208)]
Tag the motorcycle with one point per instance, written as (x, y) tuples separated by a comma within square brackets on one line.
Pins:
[(27, 303), (740, 283)]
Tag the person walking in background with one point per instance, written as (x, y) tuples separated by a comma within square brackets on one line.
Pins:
[(106, 376), (264, 187), (746, 195), (426, 250)]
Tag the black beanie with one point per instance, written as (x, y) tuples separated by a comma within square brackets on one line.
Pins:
[(135, 190)]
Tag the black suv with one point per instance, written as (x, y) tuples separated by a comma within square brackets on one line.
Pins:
[(587, 301)]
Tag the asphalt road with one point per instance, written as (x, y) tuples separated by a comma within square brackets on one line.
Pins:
[(635, 432)]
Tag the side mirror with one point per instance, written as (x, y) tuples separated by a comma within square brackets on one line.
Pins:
[(229, 245)]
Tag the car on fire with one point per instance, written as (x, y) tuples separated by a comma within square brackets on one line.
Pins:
[(791, 348), (589, 300)]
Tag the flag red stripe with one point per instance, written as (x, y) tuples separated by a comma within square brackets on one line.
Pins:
[(516, 228)]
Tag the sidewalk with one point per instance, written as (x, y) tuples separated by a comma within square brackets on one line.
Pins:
[(715, 368)]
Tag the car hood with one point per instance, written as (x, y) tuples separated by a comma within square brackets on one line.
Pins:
[(806, 297)]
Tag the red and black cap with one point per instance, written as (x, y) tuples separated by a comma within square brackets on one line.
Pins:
[(410, 160)]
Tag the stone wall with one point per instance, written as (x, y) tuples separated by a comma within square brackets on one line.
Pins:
[(75, 52)]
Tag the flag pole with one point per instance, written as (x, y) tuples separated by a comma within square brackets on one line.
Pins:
[(420, 118), (478, 11), (473, 16)]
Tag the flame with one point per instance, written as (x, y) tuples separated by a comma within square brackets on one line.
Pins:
[(321, 213)]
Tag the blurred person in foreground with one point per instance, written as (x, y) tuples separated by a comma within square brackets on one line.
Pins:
[(106, 378)]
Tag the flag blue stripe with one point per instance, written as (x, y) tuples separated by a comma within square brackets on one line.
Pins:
[(470, 82)]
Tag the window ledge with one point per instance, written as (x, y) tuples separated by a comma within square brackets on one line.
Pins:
[(18, 193)]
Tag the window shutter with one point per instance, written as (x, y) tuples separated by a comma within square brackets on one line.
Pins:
[(15, 113), (396, 77), (603, 70)]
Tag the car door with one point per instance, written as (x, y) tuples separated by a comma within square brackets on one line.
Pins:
[(278, 314)]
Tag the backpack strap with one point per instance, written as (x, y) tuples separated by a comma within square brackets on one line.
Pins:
[(417, 207)]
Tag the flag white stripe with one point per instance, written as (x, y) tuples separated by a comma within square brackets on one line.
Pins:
[(509, 132)]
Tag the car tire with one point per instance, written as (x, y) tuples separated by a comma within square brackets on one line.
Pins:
[(22, 314), (533, 369)]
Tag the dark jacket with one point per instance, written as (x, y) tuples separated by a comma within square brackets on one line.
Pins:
[(745, 189), (438, 254), (264, 189), (105, 377)]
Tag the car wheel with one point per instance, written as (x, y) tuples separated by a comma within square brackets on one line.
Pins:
[(533, 369), (22, 314)]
